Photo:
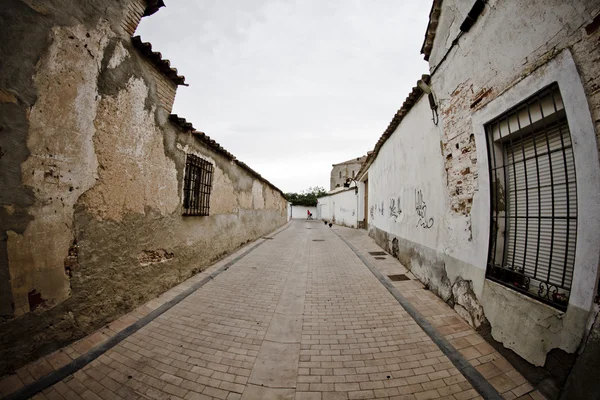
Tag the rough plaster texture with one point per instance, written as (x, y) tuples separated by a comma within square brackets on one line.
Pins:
[(531, 329), (134, 172), (560, 69), (449, 163), (91, 215), (498, 52), (60, 137), (410, 216)]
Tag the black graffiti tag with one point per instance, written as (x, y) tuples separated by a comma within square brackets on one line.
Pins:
[(421, 209), (395, 210)]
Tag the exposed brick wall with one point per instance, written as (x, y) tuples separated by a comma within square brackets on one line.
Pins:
[(165, 89), (459, 150), (458, 143), (133, 14)]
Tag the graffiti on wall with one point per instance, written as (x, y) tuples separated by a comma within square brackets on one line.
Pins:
[(395, 209), (421, 209), (346, 210), (381, 208), (372, 212)]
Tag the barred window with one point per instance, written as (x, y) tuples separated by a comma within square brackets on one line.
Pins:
[(197, 186), (534, 199)]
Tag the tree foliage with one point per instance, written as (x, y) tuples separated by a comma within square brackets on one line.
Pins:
[(307, 197)]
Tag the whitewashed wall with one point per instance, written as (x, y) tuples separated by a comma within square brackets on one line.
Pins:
[(439, 175), (340, 208), (546, 44), (299, 212), (407, 191)]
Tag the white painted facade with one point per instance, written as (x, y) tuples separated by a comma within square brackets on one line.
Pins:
[(340, 207), (299, 212), (428, 187), (409, 173)]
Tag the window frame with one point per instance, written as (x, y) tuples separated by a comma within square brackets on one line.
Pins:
[(548, 291), (197, 186)]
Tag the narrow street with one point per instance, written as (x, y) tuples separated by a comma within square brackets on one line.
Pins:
[(300, 316)]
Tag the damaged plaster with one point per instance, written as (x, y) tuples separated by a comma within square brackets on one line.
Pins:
[(432, 270), (61, 130), (119, 55), (134, 172)]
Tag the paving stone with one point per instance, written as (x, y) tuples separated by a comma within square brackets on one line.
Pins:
[(304, 319)]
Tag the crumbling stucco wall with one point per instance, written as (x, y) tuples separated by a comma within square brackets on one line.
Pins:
[(428, 199), (93, 172), (497, 54), (408, 212)]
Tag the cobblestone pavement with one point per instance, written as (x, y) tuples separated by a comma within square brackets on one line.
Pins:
[(299, 317)]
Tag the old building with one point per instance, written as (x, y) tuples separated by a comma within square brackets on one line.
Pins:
[(107, 198), (341, 172), (493, 203)]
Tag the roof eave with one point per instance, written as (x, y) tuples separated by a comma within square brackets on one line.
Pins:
[(185, 126), (412, 99), (434, 16), (163, 65)]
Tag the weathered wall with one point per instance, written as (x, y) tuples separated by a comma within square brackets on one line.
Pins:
[(439, 176), (340, 208), (93, 179), (494, 56), (408, 212)]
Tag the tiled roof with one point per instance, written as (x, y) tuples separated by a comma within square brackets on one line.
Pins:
[(152, 6), (216, 147), (155, 58), (408, 104), (434, 16)]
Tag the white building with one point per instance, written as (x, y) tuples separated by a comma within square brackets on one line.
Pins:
[(494, 197), (340, 206)]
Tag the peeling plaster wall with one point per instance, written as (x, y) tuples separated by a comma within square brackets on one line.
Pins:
[(409, 208), (134, 172), (91, 215), (60, 138), (500, 52), (428, 189)]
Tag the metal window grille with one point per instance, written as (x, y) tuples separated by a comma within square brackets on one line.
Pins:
[(197, 186), (534, 199)]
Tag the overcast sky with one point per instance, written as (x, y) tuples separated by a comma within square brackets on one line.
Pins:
[(291, 87)]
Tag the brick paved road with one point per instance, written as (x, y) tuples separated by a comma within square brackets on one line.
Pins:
[(299, 317)]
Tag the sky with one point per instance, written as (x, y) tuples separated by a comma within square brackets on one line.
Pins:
[(291, 87)]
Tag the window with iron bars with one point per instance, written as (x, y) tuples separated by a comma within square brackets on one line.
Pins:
[(197, 186), (534, 199)]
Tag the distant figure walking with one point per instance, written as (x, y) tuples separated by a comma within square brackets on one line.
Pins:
[(308, 215)]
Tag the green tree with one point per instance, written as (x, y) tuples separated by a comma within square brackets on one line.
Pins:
[(307, 197)]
